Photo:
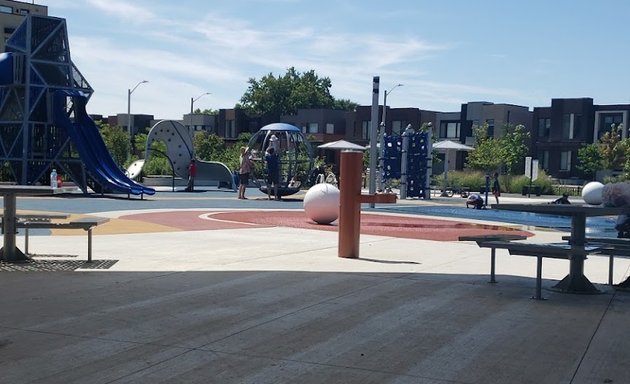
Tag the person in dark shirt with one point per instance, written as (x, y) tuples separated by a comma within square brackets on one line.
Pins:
[(496, 187), (273, 172), (562, 200), (192, 172)]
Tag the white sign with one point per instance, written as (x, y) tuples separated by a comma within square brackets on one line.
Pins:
[(528, 166), (534, 169)]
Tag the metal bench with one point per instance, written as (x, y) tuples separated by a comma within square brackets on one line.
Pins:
[(87, 224), (553, 250), (540, 251), (493, 237), (611, 247)]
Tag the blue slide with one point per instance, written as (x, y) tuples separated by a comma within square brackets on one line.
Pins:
[(91, 147)]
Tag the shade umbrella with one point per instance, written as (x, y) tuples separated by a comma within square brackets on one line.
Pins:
[(342, 144), (448, 146)]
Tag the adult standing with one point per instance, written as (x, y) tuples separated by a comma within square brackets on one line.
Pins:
[(192, 172), (245, 169), (496, 187), (273, 172)]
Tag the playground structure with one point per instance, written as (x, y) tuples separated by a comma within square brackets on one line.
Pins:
[(179, 152), (295, 153), (408, 158), (43, 120)]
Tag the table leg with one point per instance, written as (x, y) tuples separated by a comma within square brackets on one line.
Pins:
[(575, 281), (9, 251)]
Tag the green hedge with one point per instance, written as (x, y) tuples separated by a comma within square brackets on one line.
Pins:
[(476, 181)]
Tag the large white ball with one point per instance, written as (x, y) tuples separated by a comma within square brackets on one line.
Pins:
[(592, 193), (321, 203)]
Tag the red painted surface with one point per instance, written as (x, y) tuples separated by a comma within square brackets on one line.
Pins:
[(410, 227)]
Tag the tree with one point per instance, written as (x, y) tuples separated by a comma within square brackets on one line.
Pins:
[(590, 160), (514, 146), (284, 95), (117, 142), (613, 148), (487, 154)]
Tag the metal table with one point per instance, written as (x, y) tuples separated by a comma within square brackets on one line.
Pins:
[(575, 281), (9, 251)]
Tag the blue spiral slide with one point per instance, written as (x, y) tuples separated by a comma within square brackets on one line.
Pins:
[(88, 141)]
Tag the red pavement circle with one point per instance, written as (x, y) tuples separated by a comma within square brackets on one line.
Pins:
[(410, 227)]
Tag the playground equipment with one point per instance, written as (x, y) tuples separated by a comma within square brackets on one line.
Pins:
[(321, 203), (408, 158), (43, 121), (179, 152), (294, 150)]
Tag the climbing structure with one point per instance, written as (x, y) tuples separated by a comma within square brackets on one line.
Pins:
[(43, 120)]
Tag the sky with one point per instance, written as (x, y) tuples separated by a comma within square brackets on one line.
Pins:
[(444, 52)]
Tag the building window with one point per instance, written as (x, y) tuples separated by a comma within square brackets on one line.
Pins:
[(313, 127), (449, 130), (366, 127), (565, 161), (230, 130), (606, 122), (544, 127), (543, 160), (24, 11), (6, 9), (490, 123), (396, 127), (330, 128), (567, 126)]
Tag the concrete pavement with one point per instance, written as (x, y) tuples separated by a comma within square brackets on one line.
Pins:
[(276, 305)]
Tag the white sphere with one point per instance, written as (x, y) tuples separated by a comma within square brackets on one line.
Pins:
[(592, 193), (321, 203)]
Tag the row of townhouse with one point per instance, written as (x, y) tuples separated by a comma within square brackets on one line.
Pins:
[(557, 132)]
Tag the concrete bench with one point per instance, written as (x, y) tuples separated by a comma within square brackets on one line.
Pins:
[(87, 224)]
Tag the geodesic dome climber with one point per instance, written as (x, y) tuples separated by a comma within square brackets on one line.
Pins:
[(44, 124), (294, 150)]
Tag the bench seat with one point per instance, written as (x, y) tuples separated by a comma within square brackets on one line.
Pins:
[(540, 251), (86, 223)]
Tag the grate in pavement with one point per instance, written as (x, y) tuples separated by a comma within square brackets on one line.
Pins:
[(36, 265)]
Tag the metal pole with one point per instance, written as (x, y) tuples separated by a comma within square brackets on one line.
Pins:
[(191, 132), (383, 125), (404, 161), (129, 120), (373, 136)]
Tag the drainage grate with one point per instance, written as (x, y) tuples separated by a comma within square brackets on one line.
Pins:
[(36, 265)]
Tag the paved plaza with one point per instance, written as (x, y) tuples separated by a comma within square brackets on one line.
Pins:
[(204, 288)]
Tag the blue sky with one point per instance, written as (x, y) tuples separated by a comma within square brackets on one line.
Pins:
[(445, 52)]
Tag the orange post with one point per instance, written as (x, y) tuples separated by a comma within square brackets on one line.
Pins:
[(350, 199)]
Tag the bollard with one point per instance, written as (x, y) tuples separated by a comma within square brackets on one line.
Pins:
[(350, 199)]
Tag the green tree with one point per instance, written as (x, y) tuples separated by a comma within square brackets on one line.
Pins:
[(345, 105), (117, 142), (487, 154), (283, 95), (514, 147), (613, 148), (590, 160)]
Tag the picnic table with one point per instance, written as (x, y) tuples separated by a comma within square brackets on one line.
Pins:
[(575, 281), (9, 193)]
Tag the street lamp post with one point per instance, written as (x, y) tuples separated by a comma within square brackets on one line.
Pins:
[(129, 121), (190, 127), (381, 141)]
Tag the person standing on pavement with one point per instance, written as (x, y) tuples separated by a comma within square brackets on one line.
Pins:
[(496, 187), (245, 168), (192, 172), (273, 172)]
